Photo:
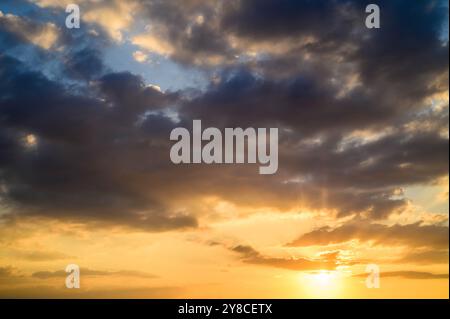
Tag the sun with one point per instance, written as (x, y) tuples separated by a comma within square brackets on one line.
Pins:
[(323, 278), (321, 284)]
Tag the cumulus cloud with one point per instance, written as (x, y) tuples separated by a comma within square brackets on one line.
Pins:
[(18, 29)]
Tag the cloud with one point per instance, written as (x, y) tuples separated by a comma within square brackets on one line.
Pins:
[(115, 17), (425, 257), (85, 63), (153, 44), (68, 130), (10, 275), (35, 292), (6, 272), (140, 56), (18, 29), (92, 273), (251, 256), (412, 235), (410, 275), (177, 31), (15, 284), (39, 256)]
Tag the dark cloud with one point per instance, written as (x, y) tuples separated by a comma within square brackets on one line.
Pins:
[(83, 145), (276, 19), (413, 235), (335, 164), (251, 256), (121, 89), (86, 64), (187, 39)]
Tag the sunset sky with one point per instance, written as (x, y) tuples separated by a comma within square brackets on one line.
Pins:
[(86, 177)]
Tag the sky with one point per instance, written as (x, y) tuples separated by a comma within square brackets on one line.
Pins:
[(86, 177)]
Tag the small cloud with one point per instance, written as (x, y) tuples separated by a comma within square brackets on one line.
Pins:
[(155, 87), (200, 19), (153, 43), (140, 56)]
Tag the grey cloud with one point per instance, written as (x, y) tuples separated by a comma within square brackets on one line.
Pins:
[(412, 235), (251, 256), (65, 171)]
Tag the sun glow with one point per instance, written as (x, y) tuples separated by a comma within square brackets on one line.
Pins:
[(323, 278), (322, 283)]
